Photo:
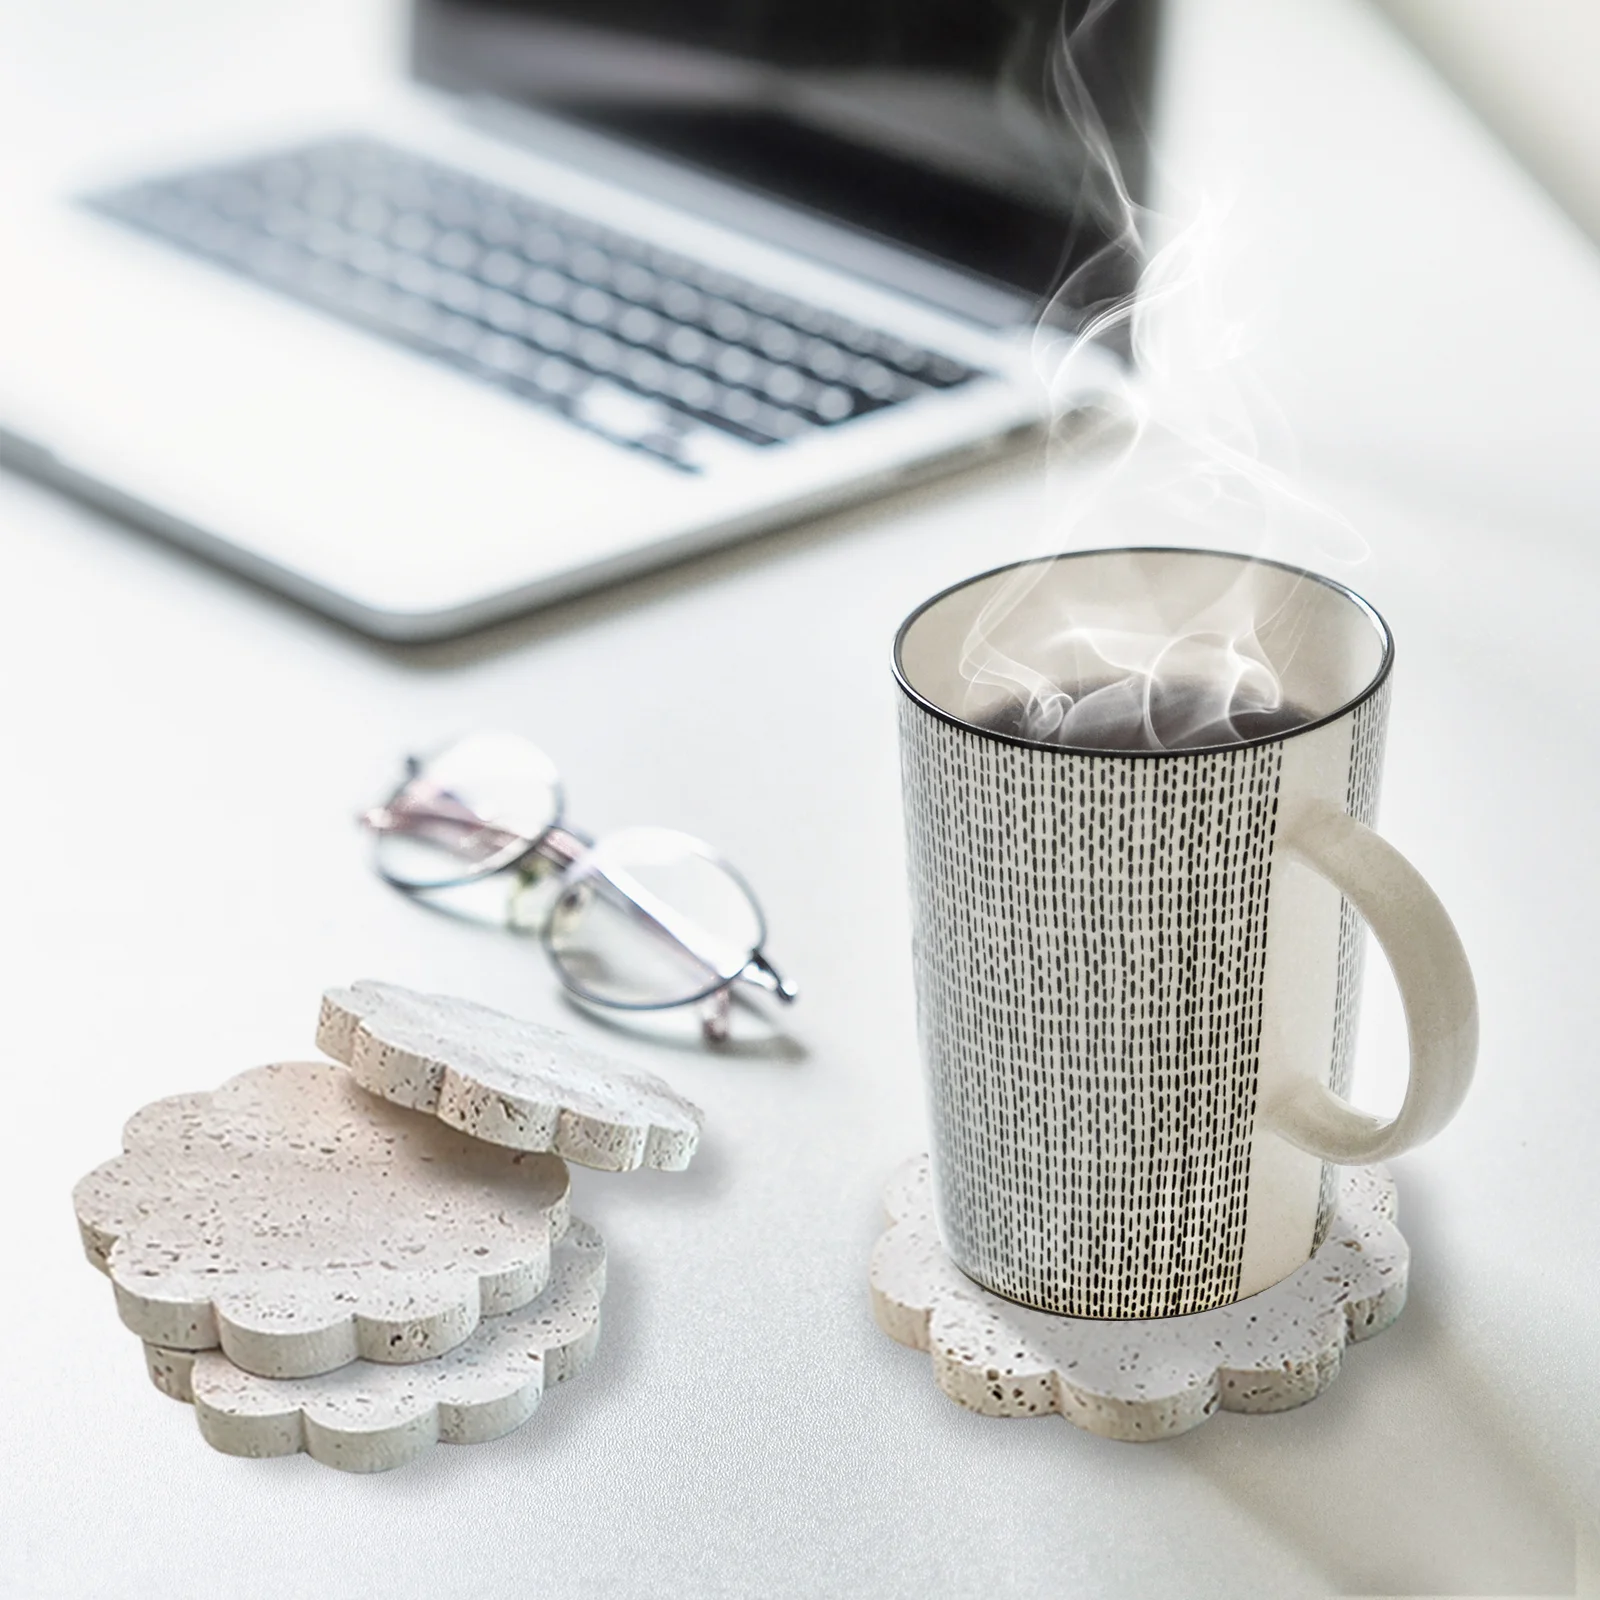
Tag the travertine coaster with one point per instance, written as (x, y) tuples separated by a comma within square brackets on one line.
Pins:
[(510, 1082), (299, 1222), (368, 1418), (1140, 1380)]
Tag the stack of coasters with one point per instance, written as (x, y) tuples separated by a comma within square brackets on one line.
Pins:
[(358, 1260)]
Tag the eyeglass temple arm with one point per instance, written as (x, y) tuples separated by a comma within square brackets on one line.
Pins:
[(557, 845), (653, 909), (427, 803), (757, 970)]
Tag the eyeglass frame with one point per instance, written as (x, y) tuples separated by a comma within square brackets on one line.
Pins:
[(557, 849)]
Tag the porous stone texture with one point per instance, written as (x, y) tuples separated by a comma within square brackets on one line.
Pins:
[(1140, 1380), (300, 1223), (506, 1081), (369, 1418)]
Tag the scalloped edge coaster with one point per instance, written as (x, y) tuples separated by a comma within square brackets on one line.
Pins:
[(301, 1223), (370, 1418), (506, 1081), (1140, 1380)]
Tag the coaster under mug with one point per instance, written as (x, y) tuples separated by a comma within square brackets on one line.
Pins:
[(1145, 1380)]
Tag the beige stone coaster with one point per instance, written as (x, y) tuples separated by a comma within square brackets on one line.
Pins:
[(506, 1081), (1140, 1380), (300, 1223), (369, 1418)]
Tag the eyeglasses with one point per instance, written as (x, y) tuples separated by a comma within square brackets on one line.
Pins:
[(642, 920)]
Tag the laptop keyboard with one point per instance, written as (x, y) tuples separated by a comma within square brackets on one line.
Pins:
[(635, 343)]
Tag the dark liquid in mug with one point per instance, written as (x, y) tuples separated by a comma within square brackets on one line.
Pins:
[(1176, 716)]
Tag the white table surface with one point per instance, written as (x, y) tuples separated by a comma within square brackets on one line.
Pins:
[(184, 755)]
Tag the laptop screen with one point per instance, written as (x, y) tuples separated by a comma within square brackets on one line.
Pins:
[(922, 122)]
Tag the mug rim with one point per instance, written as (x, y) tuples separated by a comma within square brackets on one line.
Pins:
[(1365, 606)]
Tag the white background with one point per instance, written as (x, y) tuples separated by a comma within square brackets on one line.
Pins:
[(184, 755), (1529, 69)]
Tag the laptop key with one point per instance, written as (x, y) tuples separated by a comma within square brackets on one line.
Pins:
[(456, 250), (501, 268), (634, 342)]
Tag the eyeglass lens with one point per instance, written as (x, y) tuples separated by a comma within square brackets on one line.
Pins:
[(649, 917), (468, 811)]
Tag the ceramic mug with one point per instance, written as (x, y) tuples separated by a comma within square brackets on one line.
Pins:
[(1138, 974)]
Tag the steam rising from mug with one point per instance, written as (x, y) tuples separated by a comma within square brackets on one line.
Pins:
[(1159, 438)]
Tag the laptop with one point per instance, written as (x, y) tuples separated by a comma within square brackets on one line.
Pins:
[(601, 284)]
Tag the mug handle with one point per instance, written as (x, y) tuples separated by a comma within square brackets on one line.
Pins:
[(1429, 965)]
